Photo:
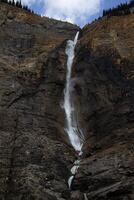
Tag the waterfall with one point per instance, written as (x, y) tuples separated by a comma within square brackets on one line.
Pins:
[(70, 181), (72, 129), (85, 196)]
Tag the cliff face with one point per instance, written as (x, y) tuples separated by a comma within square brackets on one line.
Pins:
[(104, 85), (35, 154)]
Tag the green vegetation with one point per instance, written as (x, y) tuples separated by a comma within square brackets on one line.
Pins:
[(17, 4), (122, 9)]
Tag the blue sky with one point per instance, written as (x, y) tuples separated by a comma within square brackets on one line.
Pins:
[(79, 12)]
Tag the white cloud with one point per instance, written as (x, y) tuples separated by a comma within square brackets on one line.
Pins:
[(28, 2), (75, 11)]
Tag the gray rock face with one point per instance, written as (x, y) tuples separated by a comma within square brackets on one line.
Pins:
[(104, 95), (35, 154)]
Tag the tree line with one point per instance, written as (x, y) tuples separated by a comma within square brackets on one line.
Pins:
[(17, 4), (122, 9)]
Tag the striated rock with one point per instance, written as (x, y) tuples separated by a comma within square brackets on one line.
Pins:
[(77, 195), (35, 154), (104, 95)]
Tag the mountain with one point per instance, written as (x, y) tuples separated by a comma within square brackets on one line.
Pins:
[(35, 153)]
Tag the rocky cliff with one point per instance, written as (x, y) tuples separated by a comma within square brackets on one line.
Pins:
[(35, 153), (104, 85)]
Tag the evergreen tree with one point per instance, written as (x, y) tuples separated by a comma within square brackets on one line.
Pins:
[(17, 4), (122, 9)]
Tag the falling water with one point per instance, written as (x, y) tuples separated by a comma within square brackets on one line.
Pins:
[(85, 196), (70, 181), (72, 128)]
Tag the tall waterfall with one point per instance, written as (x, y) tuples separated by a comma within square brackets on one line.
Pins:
[(72, 128)]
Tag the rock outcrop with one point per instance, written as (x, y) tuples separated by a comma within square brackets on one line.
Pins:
[(35, 154), (104, 86)]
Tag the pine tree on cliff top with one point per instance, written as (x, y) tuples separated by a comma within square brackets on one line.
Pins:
[(17, 4)]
